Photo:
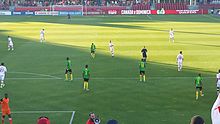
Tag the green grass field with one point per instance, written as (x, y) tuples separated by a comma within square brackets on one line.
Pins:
[(35, 79)]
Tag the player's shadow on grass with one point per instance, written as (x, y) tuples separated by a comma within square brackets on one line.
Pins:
[(107, 22), (47, 58)]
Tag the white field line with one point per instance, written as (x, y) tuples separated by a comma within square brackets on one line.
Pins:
[(71, 119), (149, 17), (108, 78), (211, 17), (39, 112), (27, 78), (36, 74)]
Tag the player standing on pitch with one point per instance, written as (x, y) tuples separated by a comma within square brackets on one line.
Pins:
[(171, 35), (144, 54), (68, 69), (86, 76), (142, 67), (10, 44), (42, 37), (198, 83), (179, 59), (111, 48), (93, 48), (218, 81), (3, 71), (5, 109)]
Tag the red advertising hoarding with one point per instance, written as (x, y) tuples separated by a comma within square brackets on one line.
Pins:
[(155, 12)]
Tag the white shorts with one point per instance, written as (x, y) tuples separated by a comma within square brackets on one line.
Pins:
[(10, 45), (112, 49), (171, 36), (180, 63), (41, 36), (218, 84), (2, 77)]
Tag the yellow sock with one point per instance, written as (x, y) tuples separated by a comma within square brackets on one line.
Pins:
[(87, 86), (144, 78), (84, 85), (201, 93), (66, 76), (71, 76), (197, 94), (140, 77), (93, 55)]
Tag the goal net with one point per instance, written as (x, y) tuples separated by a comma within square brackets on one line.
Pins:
[(75, 10)]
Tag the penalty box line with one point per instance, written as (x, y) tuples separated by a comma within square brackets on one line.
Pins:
[(43, 112)]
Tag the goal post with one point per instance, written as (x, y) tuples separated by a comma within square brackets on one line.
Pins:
[(73, 10)]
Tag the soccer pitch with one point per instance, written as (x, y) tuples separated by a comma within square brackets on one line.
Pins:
[(35, 79)]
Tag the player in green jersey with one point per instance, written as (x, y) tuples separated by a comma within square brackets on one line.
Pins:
[(68, 69), (93, 48), (198, 83), (142, 67), (86, 75)]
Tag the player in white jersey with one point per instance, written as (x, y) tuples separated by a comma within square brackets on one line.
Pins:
[(3, 71), (10, 44), (111, 48), (179, 60), (171, 35), (42, 38), (218, 81)]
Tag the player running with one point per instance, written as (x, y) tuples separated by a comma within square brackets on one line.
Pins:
[(5, 109), (10, 44), (111, 48), (142, 67), (68, 69), (144, 54), (93, 48), (3, 71), (42, 38), (179, 59), (218, 81), (198, 83), (86, 76), (171, 35)]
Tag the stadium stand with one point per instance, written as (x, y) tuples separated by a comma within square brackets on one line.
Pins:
[(38, 5), (4, 5), (209, 6), (171, 6)]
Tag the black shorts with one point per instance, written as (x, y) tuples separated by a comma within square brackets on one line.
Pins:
[(142, 72), (92, 51), (86, 79), (199, 88), (68, 70)]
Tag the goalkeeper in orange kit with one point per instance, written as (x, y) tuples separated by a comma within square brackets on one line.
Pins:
[(5, 109)]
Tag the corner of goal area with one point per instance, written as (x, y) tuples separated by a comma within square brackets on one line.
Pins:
[(31, 117)]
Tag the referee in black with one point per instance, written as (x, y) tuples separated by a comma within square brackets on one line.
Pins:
[(144, 54)]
